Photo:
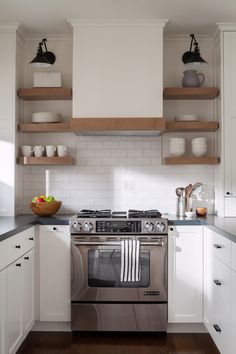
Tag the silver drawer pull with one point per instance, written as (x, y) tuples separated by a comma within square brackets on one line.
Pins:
[(217, 328), (217, 282), (217, 246)]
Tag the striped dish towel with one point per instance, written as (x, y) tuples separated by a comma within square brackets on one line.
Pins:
[(130, 260)]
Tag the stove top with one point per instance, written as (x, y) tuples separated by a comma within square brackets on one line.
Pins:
[(107, 213)]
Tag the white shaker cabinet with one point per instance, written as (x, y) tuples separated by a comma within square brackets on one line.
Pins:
[(225, 78), (16, 290), (14, 310), (229, 46), (28, 267), (19, 301), (185, 274), (54, 259), (3, 277), (218, 284)]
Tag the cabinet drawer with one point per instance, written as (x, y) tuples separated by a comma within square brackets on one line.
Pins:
[(54, 228), (15, 246), (220, 247)]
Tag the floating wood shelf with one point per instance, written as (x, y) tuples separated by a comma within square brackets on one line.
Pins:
[(190, 93), (191, 126), (191, 160), (44, 160), (106, 125), (45, 93), (44, 127)]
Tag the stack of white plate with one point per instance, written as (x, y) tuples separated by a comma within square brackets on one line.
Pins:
[(46, 117), (177, 146), (199, 147)]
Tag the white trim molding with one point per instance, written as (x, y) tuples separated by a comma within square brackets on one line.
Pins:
[(118, 23), (223, 27), (9, 27)]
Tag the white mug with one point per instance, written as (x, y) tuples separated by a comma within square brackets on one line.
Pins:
[(27, 150), (38, 150), (62, 150), (50, 150)]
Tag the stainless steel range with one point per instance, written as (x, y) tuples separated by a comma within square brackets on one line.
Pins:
[(119, 271)]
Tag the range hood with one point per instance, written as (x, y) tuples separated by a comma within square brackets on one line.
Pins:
[(141, 126)]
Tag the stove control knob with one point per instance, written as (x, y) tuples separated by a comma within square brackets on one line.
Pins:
[(160, 226), (88, 226), (149, 226), (77, 226)]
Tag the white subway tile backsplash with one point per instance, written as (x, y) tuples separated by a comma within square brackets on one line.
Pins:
[(114, 172)]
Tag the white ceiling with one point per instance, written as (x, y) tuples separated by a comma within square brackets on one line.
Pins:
[(49, 16)]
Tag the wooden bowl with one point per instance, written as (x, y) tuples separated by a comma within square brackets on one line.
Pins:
[(201, 211), (45, 208)]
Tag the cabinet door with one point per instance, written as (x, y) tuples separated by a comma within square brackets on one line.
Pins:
[(3, 277), (233, 316), (14, 306), (54, 258), (185, 274), (219, 305), (230, 115), (28, 291)]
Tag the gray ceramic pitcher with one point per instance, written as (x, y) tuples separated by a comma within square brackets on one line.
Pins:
[(192, 78)]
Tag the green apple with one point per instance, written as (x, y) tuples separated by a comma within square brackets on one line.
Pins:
[(50, 198), (34, 199)]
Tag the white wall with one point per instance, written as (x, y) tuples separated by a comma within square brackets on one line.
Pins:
[(119, 172)]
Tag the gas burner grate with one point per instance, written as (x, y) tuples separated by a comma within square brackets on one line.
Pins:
[(119, 214), (86, 213), (144, 213)]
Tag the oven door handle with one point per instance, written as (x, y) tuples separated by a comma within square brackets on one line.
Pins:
[(113, 243)]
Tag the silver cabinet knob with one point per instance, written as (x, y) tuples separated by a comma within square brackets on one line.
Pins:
[(88, 226), (149, 227)]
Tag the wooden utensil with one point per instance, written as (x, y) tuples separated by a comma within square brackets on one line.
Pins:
[(195, 187), (188, 190)]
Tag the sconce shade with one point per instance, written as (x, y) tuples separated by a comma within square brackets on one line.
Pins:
[(43, 58), (193, 57)]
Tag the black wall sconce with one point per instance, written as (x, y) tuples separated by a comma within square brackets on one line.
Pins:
[(193, 56), (43, 58)]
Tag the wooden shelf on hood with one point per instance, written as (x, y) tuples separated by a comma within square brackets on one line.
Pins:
[(45, 160), (191, 160), (191, 126), (190, 93), (45, 93), (141, 124), (44, 127)]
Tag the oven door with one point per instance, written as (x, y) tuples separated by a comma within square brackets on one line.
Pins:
[(96, 268)]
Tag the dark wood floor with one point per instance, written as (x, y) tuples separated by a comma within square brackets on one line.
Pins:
[(120, 343)]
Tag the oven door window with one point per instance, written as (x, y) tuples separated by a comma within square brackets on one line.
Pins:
[(104, 268)]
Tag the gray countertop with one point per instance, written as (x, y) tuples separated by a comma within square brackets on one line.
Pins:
[(10, 226), (224, 226)]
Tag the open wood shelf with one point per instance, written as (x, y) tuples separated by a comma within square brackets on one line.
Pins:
[(191, 126), (144, 124), (45, 93), (190, 93), (44, 160), (191, 160), (44, 127)]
